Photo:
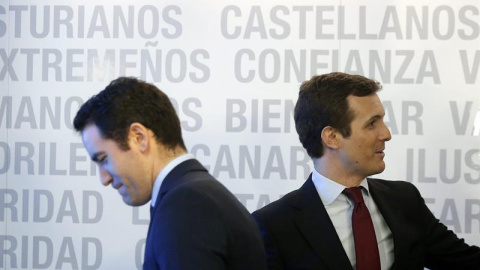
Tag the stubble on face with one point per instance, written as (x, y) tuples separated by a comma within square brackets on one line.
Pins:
[(123, 169), (362, 153)]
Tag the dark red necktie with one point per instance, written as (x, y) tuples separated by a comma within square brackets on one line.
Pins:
[(366, 247)]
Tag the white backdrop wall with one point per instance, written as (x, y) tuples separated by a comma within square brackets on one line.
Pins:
[(232, 69)]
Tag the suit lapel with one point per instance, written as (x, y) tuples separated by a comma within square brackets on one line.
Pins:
[(314, 223), (390, 208), (174, 178)]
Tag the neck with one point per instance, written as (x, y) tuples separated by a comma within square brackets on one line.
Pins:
[(333, 170), (165, 156)]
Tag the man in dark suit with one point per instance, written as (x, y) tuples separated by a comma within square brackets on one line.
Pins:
[(132, 132), (340, 219)]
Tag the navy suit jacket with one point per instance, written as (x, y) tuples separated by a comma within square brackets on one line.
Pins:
[(298, 233), (198, 224)]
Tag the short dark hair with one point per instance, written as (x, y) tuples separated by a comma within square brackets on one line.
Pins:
[(127, 100), (322, 102)]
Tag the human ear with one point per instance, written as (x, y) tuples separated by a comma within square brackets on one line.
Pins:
[(138, 136), (330, 137)]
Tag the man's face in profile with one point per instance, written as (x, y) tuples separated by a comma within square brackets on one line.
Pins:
[(362, 152), (123, 169)]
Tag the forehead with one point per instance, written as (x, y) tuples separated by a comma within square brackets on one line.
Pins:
[(94, 142), (365, 107)]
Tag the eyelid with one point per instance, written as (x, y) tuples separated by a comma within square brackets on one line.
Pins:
[(374, 119), (102, 158), (99, 158), (372, 122)]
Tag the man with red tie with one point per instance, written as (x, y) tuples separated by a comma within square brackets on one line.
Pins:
[(340, 218)]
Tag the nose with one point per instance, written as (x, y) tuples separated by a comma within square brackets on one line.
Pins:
[(386, 134), (105, 177)]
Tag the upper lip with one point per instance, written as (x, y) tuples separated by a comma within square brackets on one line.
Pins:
[(117, 186)]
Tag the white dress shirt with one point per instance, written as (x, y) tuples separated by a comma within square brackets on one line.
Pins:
[(340, 209), (164, 172)]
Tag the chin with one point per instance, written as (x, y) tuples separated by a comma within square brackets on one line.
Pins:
[(127, 201), (379, 170), (130, 202)]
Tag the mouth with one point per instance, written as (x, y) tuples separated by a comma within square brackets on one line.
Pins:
[(121, 189)]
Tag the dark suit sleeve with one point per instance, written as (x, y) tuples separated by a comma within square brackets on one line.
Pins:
[(444, 250), (187, 232), (273, 257)]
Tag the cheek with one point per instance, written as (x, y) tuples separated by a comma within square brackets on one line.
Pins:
[(118, 172), (360, 147), (111, 168), (134, 177), (121, 166)]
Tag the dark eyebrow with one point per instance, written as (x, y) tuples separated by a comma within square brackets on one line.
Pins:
[(373, 118)]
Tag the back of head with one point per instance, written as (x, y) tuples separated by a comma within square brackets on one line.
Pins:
[(322, 102), (128, 100)]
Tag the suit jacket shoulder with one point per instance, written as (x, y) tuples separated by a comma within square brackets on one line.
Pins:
[(298, 234), (277, 208), (198, 224)]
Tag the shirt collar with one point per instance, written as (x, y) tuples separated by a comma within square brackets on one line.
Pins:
[(329, 190), (164, 172)]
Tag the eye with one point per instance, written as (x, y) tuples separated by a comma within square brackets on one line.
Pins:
[(102, 159)]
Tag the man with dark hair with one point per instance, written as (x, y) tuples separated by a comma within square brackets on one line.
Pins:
[(132, 132), (340, 219)]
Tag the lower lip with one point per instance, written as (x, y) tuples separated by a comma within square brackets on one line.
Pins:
[(121, 190)]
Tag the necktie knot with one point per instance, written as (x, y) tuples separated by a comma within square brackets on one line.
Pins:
[(355, 194)]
